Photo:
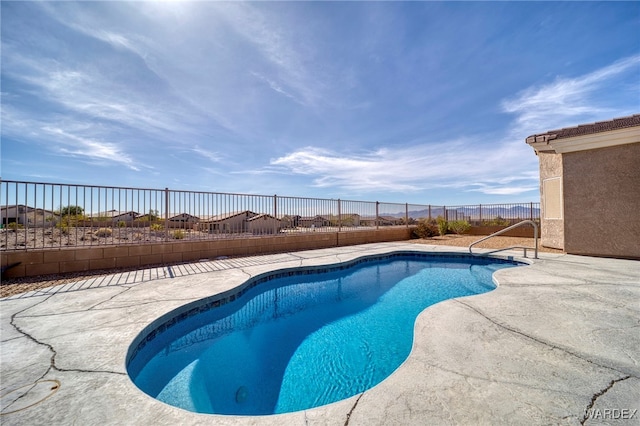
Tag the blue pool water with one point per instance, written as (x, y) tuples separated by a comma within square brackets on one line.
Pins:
[(298, 339)]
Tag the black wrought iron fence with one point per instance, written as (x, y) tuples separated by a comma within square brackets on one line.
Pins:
[(35, 215)]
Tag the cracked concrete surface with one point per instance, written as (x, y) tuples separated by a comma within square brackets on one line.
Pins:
[(556, 342)]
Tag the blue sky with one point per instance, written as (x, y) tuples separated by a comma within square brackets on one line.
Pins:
[(419, 102)]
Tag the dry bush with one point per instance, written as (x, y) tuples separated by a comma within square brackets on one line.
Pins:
[(103, 232)]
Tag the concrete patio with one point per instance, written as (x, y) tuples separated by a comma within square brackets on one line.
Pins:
[(558, 342)]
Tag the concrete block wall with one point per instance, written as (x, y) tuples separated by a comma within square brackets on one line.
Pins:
[(52, 261)]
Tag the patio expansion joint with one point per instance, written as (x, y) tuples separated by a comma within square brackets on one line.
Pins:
[(30, 337), (124, 290), (355, 404), (248, 274), (539, 340), (54, 353), (597, 395)]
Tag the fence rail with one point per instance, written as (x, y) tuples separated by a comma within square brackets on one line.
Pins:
[(35, 215)]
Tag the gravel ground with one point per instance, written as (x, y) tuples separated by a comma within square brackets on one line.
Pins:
[(37, 238), (493, 243), (13, 286)]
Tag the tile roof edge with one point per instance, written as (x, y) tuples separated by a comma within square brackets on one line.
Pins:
[(586, 129)]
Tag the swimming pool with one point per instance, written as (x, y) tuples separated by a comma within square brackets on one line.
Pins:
[(299, 338)]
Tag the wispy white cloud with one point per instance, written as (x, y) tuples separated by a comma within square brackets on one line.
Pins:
[(525, 181), (64, 136), (505, 167), (293, 73), (78, 146), (210, 155), (570, 101), (89, 92), (454, 164), (275, 86)]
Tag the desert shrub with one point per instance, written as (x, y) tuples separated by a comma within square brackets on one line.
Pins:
[(103, 232), (122, 224), (88, 237), (68, 221), (14, 226), (426, 229), (63, 226), (178, 234), (497, 221), (156, 227), (72, 211), (459, 226), (443, 225)]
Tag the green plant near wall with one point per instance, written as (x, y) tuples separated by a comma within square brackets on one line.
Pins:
[(443, 225), (179, 234), (68, 221), (72, 211), (497, 221), (459, 226), (63, 226), (426, 229), (122, 224), (156, 227), (153, 215)]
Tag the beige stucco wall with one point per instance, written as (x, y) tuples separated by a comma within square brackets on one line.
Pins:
[(602, 201), (552, 227)]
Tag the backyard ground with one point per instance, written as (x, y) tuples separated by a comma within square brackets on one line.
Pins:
[(9, 287), (493, 243), (38, 238)]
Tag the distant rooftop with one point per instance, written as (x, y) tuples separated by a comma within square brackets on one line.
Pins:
[(587, 129)]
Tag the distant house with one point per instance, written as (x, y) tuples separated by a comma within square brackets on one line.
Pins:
[(390, 221), (263, 224), (381, 221), (589, 187), (27, 216), (313, 221), (148, 218), (116, 215), (233, 222), (184, 218), (290, 221), (347, 219)]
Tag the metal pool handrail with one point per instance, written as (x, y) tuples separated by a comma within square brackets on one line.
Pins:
[(502, 231)]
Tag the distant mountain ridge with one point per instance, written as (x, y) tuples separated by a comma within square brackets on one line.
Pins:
[(475, 212)]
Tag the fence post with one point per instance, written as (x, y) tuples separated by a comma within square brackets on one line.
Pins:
[(166, 214), (430, 218), (275, 206), (339, 216), (377, 213), (530, 210), (480, 223), (406, 214), (445, 214)]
